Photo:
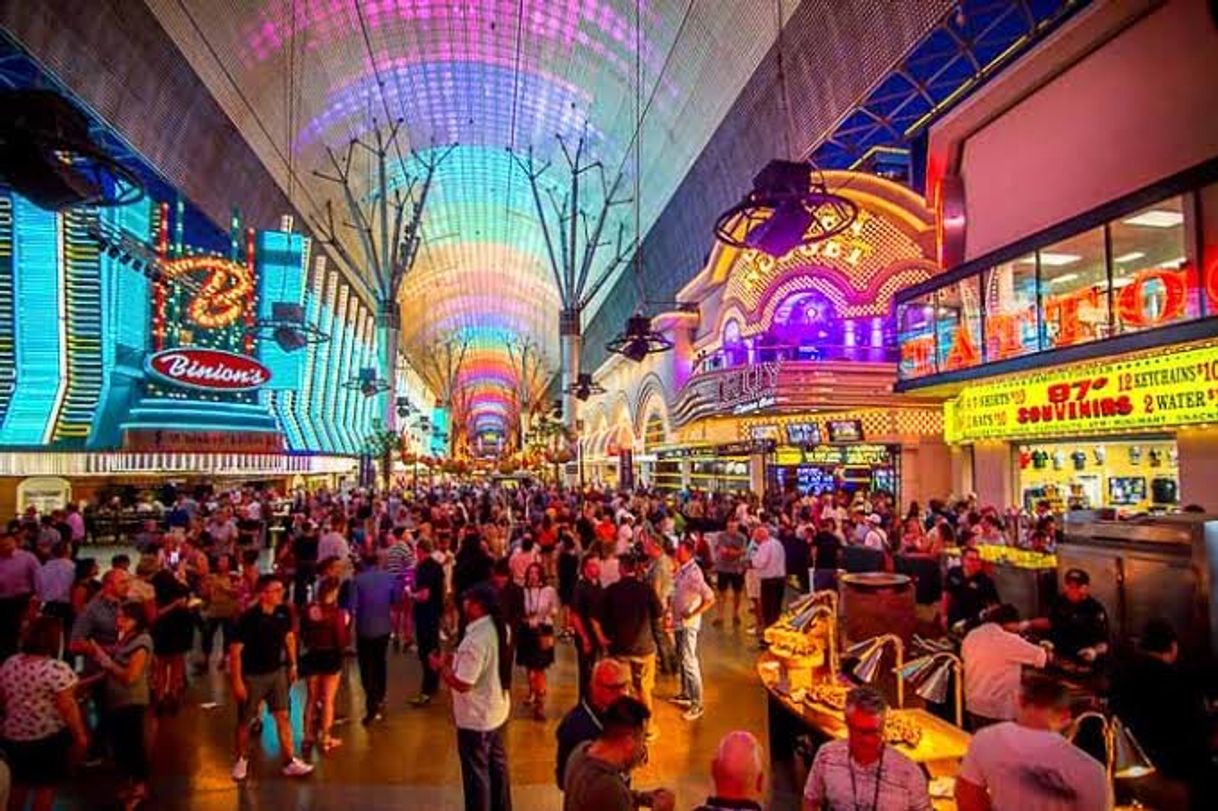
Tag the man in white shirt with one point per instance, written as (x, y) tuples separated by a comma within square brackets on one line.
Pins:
[(769, 559), (993, 666), (479, 676), (691, 598), (874, 536), (1026, 765)]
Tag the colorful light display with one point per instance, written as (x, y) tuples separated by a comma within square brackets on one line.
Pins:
[(829, 300), (456, 72), (225, 293), (79, 323)]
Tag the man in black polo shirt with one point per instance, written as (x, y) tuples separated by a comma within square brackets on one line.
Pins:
[(1077, 624), (610, 681), (630, 615), (968, 591), (265, 636)]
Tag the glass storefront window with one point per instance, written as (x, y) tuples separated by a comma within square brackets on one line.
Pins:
[(1154, 282), (1209, 247), (1010, 310), (958, 322), (1074, 290), (915, 328)]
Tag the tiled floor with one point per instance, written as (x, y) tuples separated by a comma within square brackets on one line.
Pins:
[(409, 761)]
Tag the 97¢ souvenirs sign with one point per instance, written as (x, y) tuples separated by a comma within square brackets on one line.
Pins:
[(1149, 392)]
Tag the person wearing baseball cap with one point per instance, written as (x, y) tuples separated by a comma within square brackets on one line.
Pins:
[(1077, 624)]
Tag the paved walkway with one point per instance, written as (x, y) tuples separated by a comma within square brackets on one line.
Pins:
[(409, 761)]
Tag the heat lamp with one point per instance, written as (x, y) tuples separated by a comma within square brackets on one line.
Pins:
[(786, 209), (639, 340), (287, 327), (367, 383), (584, 387)]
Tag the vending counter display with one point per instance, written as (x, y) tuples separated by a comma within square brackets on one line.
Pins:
[(806, 698), (1134, 475)]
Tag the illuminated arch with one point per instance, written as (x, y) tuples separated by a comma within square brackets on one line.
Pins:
[(651, 402)]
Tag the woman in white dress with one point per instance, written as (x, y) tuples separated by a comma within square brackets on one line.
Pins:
[(535, 653)]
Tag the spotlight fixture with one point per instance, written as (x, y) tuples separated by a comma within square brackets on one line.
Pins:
[(786, 208), (639, 340), (584, 387), (367, 383), (287, 327)]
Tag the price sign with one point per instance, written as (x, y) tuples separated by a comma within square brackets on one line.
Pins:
[(1155, 391)]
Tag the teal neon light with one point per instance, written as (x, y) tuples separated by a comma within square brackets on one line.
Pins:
[(39, 327)]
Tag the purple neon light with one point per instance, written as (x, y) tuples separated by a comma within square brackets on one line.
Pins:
[(563, 25)]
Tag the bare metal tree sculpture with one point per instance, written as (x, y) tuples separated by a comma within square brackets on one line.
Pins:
[(440, 362), (574, 234), (531, 370), (386, 219)]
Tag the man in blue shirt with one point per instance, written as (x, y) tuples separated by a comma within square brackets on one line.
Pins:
[(374, 592)]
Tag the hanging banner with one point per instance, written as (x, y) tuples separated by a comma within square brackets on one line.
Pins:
[(1136, 394)]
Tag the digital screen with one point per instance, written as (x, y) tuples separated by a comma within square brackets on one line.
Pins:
[(815, 480), (845, 431), (803, 433)]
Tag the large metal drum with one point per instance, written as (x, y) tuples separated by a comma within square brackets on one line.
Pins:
[(875, 603)]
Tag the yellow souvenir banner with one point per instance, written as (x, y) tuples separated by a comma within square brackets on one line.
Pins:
[(1163, 390)]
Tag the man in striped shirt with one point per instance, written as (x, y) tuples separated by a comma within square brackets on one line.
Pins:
[(400, 561)]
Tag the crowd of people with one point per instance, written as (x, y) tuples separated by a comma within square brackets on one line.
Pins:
[(481, 580)]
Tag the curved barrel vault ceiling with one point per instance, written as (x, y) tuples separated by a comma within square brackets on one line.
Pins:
[(296, 76)]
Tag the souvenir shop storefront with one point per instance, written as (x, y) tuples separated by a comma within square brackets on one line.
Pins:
[(1074, 333), (1104, 434)]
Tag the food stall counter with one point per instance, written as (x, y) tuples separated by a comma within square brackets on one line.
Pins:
[(939, 750)]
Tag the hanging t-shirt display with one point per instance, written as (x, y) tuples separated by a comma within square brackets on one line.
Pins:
[(1086, 474)]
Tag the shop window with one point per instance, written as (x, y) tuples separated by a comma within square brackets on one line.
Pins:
[(915, 332), (1074, 290), (958, 322), (1209, 247), (1010, 310), (1153, 280)]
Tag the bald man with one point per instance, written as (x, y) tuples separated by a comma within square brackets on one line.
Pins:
[(610, 681), (738, 774)]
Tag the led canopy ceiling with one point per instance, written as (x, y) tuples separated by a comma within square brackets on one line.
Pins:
[(298, 76)]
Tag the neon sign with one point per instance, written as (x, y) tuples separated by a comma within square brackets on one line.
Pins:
[(208, 369), (1150, 298), (1155, 391), (226, 289)]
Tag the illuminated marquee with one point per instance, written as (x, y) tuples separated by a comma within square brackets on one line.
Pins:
[(225, 292), (1149, 392)]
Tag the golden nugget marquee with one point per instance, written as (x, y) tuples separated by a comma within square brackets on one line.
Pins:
[(783, 377)]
